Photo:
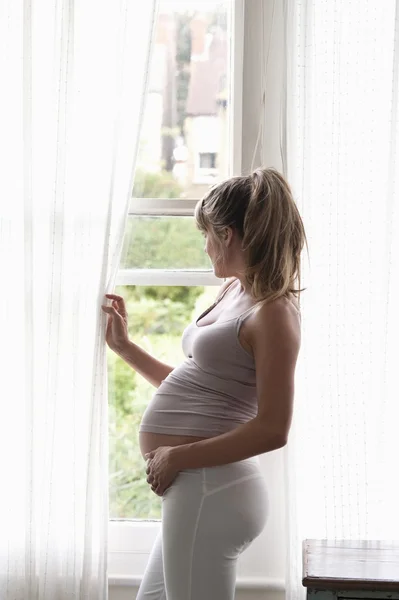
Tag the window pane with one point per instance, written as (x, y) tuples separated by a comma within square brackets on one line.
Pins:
[(157, 318), (207, 160), (184, 142), (163, 243)]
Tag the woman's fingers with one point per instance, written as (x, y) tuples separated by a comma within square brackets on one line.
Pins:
[(113, 296), (116, 298), (158, 490), (109, 309), (119, 302), (112, 312)]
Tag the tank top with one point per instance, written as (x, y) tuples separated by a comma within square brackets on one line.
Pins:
[(213, 390)]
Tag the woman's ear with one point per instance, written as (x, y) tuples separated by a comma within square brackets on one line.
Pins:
[(227, 236)]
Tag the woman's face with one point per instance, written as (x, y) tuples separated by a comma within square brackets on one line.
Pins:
[(214, 250), (225, 253)]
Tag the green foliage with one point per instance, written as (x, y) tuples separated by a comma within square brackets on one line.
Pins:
[(163, 315), (130, 494), (164, 243), (160, 184)]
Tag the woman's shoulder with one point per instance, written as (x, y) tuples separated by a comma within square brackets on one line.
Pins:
[(280, 314), (285, 305)]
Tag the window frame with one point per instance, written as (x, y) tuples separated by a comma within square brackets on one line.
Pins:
[(171, 207)]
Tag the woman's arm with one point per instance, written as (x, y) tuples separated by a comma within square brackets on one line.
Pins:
[(274, 336), (147, 366), (153, 370), (117, 338)]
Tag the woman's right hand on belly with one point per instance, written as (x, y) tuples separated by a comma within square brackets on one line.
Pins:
[(116, 334)]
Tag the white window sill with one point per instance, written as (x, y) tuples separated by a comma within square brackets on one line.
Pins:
[(167, 277), (243, 583)]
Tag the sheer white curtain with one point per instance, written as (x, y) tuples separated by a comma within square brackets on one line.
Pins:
[(343, 163), (72, 77)]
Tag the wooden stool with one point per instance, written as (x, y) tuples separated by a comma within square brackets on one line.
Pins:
[(348, 570)]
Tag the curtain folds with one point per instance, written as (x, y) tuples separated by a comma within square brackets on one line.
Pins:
[(73, 79), (342, 160)]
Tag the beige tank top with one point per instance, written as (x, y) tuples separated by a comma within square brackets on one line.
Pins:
[(213, 390)]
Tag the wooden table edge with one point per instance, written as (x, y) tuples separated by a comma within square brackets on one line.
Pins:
[(333, 583)]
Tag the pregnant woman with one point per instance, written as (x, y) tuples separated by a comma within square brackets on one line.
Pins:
[(232, 397)]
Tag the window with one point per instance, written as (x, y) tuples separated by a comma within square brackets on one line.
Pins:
[(189, 100), (207, 160), (166, 277)]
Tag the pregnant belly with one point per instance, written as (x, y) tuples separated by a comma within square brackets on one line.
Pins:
[(151, 441)]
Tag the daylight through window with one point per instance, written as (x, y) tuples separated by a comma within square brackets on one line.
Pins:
[(184, 148)]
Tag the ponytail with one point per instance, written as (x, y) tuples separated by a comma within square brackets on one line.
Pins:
[(261, 208)]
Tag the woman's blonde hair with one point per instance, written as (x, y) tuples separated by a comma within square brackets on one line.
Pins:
[(261, 208)]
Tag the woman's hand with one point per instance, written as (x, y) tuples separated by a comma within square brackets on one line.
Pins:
[(160, 469), (116, 334)]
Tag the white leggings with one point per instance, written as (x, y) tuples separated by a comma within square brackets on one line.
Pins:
[(209, 516)]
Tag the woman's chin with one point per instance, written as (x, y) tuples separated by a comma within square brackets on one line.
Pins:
[(218, 272)]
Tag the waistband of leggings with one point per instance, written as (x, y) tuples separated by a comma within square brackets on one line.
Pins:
[(251, 461)]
